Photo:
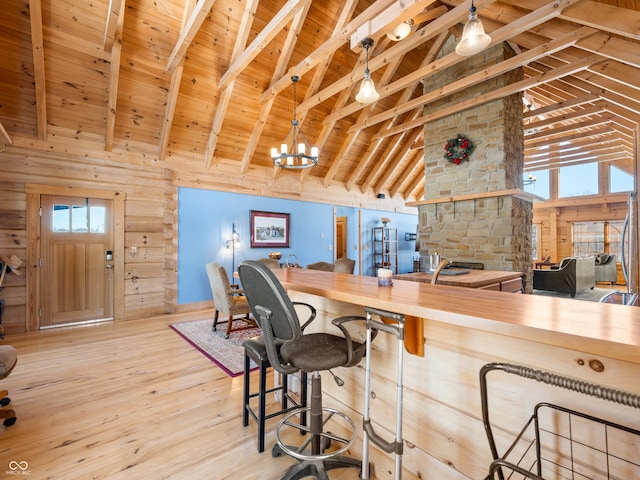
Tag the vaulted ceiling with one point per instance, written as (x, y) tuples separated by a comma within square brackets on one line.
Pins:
[(192, 85)]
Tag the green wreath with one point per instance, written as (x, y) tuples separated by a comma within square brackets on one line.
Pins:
[(458, 149)]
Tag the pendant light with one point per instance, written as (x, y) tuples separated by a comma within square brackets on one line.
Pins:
[(293, 149), (473, 40), (367, 93)]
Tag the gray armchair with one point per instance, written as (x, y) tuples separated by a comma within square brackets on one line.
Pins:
[(572, 276), (606, 269)]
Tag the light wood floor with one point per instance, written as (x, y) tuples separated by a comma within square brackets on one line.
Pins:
[(129, 400)]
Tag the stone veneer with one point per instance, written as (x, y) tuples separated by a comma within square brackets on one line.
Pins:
[(495, 231)]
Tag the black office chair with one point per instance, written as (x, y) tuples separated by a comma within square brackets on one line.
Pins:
[(289, 351)]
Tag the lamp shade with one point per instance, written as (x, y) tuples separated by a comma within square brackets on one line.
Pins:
[(367, 93), (473, 40), (401, 32)]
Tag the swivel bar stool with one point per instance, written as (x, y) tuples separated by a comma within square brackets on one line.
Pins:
[(310, 353)]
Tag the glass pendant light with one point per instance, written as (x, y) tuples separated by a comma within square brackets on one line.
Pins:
[(367, 93), (473, 40)]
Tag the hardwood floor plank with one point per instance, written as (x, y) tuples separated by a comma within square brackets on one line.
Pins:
[(130, 399)]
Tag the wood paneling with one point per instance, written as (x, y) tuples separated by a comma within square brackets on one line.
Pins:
[(142, 279)]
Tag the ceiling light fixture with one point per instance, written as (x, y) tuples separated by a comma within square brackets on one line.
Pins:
[(294, 154), (473, 40), (401, 32), (367, 93)]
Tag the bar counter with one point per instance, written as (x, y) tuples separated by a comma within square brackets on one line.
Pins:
[(461, 329)]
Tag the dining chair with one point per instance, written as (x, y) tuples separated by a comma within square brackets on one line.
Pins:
[(227, 299)]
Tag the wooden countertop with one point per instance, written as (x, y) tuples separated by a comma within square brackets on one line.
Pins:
[(472, 279), (597, 328)]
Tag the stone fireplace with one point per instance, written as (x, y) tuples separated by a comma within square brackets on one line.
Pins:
[(474, 211)]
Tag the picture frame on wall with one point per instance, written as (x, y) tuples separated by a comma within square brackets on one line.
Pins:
[(269, 229)]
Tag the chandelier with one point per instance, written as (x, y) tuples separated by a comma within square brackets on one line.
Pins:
[(295, 152)]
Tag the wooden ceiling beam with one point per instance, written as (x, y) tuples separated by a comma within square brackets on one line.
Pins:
[(404, 96), (611, 47), (392, 167), (316, 82), (4, 136), (113, 13), (114, 78), (351, 137), (500, 93), (609, 18), (327, 48), (273, 28), (188, 33), (433, 29), (386, 21), (174, 91), (502, 34), (415, 164), (37, 48), (226, 88)]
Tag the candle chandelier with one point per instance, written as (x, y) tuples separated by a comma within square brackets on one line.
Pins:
[(295, 152)]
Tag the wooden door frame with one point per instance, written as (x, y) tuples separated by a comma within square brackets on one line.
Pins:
[(34, 192)]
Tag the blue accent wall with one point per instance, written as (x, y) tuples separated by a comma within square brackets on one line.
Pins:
[(205, 224)]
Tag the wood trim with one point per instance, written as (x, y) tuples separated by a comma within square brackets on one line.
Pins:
[(514, 192)]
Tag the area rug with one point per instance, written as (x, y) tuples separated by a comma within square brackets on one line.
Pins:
[(228, 354)]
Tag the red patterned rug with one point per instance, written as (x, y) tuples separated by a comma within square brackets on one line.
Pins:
[(228, 354)]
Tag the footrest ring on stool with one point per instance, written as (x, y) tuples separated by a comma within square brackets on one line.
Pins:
[(303, 451)]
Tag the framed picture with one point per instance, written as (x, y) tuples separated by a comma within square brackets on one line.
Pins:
[(269, 229)]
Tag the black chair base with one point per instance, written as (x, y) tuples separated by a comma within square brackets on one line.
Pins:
[(255, 350), (319, 468), (312, 455)]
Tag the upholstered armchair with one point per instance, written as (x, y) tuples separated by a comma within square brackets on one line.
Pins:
[(572, 276), (344, 265), (324, 266), (606, 269), (227, 299)]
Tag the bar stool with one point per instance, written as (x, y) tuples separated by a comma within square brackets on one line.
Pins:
[(255, 349), (369, 435)]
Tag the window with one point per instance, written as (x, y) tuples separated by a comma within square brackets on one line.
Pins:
[(578, 180), (596, 237), (534, 241), (619, 180), (79, 218), (541, 186)]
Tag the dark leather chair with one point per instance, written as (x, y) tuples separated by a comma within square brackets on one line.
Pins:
[(572, 276), (289, 350)]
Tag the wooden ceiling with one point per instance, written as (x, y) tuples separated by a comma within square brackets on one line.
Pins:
[(194, 85)]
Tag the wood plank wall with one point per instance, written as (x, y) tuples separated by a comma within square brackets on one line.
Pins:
[(149, 223)]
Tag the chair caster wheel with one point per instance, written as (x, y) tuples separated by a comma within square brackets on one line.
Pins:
[(276, 451), (5, 401), (9, 421)]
